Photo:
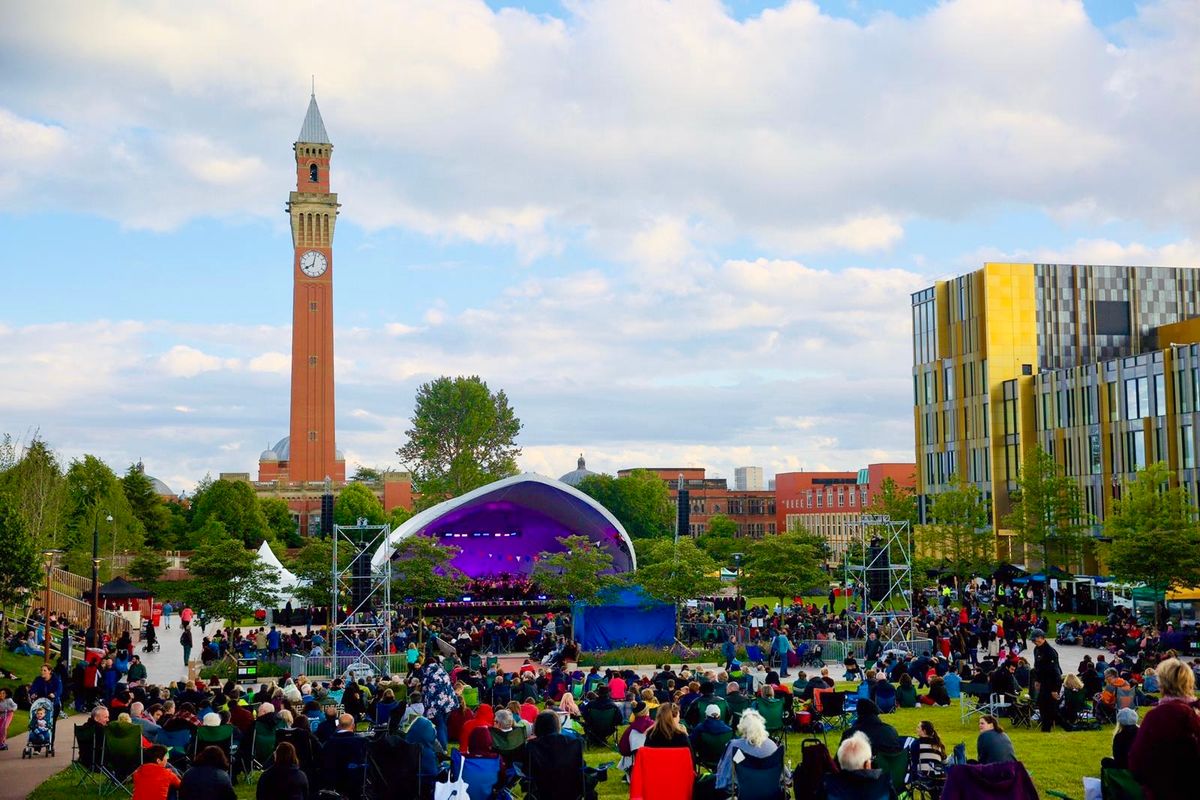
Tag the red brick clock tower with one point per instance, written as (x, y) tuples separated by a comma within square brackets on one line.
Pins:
[(310, 453)]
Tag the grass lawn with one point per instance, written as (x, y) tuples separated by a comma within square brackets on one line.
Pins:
[(1057, 760)]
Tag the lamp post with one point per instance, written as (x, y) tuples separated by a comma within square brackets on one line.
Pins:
[(737, 583), (49, 555), (94, 631)]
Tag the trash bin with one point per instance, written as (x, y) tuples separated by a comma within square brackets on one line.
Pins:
[(156, 616)]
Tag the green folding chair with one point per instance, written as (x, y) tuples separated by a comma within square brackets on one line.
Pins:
[(707, 749), (122, 755), (1119, 784), (220, 736), (86, 755), (470, 696), (895, 765)]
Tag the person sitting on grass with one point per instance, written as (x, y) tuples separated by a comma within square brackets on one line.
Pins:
[(283, 780), (928, 752), (711, 724), (938, 696), (993, 745), (857, 780), (154, 780), (906, 693), (883, 737), (1124, 734), (1074, 701)]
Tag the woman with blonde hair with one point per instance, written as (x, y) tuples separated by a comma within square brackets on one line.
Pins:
[(1167, 746), (752, 741), (667, 732)]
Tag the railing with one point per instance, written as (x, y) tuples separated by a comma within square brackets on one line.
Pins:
[(355, 663), (66, 599)]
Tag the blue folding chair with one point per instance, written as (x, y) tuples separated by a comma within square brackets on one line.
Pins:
[(481, 774), (755, 654), (757, 778)]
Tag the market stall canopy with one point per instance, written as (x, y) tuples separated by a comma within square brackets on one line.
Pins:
[(120, 589)]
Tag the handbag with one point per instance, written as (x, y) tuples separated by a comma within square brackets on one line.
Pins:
[(452, 789)]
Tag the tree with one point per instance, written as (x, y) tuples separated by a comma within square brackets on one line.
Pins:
[(677, 571), (581, 571), (148, 566), (782, 566), (313, 565), (234, 505), (229, 582), (423, 573), (364, 474), (284, 527), (1155, 534), (1046, 511), (818, 542), (720, 540), (960, 532), (355, 502), (94, 493), (37, 490), (462, 437), (22, 570), (398, 516), (639, 500), (148, 507), (895, 501)]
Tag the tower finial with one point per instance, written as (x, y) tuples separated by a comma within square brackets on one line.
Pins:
[(314, 85)]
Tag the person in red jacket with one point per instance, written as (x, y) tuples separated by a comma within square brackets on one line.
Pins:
[(1167, 748), (154, 780)]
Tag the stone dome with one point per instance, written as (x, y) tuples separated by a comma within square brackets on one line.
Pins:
[(160, 487), (576, 476), (282, 449)]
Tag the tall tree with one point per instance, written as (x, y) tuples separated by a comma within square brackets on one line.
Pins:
[(1154, 531), (283, 525), (22, 565), (94, 493), (148, 566), (37, 489), (639, 500), (356, 501), (229, 582), (463, 436), (677, 571), (581, 570), (720, 540), (313, 565), (895, 501), (366, 474), (423, 572), (234, 505), (148, 507), (783, 567), (960, 532), (1046, 511)]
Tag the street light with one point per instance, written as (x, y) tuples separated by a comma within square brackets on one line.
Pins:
[(49, 555), (94, 632)]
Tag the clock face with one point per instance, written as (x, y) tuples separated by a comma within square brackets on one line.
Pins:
[(313, 264)]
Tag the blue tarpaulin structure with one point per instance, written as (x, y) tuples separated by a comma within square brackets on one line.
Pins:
[(629, 618)]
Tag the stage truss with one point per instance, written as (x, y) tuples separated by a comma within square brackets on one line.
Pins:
[(360, 640), (887, 555)]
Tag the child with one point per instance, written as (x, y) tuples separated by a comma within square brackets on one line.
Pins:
[(154, 780), (39, 728), (7, 707)]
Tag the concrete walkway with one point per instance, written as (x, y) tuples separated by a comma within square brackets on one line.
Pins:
[(20, 776)]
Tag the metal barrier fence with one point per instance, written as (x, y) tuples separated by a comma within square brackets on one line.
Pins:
[(354, 663)]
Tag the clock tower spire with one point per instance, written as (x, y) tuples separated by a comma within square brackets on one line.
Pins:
[(311, 453)]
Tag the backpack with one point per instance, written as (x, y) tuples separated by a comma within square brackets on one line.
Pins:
[(808, 780)]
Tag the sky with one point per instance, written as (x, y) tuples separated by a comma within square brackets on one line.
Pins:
[(674, 233)]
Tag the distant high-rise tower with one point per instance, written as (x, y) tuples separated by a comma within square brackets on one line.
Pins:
[(748, 479), (309, 453)]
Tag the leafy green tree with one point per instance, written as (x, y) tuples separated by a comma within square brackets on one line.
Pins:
[(960, 532), (816, 541), (228, 582), (720, 539), (677, 571), (148, 566), (36, 489), (148, 507), (284, 527), (1046, 511), (1154, 531), (639, 500), (398, 516), (357, 501), (313, 565), (782, 566), (94, 493), (363, 474), (22, 570), (423, 572), (895, 501), (463, 436), (581, 570), (234, 505)]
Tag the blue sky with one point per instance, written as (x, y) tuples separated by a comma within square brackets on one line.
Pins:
[(675, 233)]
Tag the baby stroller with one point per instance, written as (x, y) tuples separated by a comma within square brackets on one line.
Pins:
[(41, 729)]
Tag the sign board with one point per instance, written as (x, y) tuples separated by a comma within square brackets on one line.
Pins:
[(247, 669)]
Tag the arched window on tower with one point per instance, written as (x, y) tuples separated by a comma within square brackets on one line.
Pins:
[(312, 174)]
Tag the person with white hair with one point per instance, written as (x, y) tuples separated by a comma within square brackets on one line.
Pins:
[(858, 780), (752, 740)]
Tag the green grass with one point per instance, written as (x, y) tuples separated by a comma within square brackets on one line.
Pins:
[(623, 656)]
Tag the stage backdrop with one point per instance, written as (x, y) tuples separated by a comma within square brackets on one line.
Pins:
[(630, 618)]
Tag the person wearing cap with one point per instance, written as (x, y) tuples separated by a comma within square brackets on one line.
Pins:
[(711, 724), (1047, 678)]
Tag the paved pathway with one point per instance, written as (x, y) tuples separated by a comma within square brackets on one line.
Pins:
[(20, 776)]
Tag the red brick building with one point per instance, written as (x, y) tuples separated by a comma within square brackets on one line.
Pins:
[(753, 511)]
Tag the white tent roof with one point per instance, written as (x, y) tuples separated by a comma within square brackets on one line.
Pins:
[(287, 579)]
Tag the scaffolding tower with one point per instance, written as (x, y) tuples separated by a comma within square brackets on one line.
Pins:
[(885, 577), (361, 602)]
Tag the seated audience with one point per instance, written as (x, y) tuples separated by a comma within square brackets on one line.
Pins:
[(857, 779), (993, 745), (752, 741)]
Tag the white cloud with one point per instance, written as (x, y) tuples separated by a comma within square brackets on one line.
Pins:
[(182, 361), (279, 363)]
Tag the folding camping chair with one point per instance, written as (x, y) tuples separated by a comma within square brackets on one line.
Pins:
[(971, 701), (122, 754), (757, 778)]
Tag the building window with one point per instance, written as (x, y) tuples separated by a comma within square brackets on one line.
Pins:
[(312, 306), (819, 497), (312, 436), (1183, 390), (1135, 451), (852, 496), (312, 361), (1137, 398), (313, 174), (1187, 445), (1160, 395), (1094, 452)]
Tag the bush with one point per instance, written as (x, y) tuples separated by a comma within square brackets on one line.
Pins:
[(226, 669), (623, 656)]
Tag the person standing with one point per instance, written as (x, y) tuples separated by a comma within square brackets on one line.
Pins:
[(185, 639), (1047, 678), (185, 616), (729, 653), (168, 609)]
